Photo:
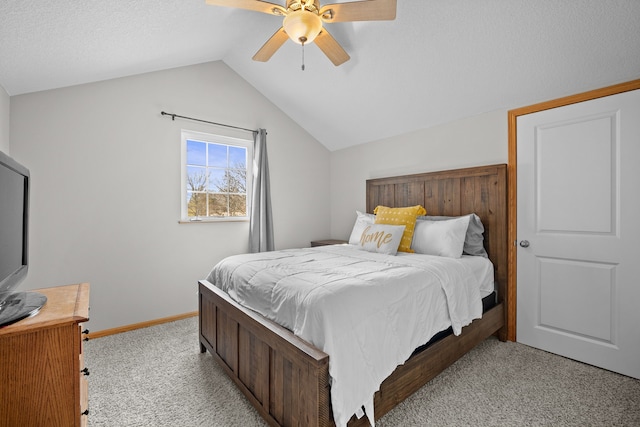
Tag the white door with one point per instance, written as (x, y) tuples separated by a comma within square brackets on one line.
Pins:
[(578, 228)]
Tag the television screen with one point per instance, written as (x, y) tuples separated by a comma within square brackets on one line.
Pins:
[(12, 227), (14, 241)]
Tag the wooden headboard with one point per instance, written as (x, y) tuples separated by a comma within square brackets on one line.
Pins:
[(481, 190)]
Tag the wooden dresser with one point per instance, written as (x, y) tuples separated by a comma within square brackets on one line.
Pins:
[(42, 376)]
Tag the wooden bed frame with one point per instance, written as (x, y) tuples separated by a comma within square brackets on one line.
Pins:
[(287, 379)]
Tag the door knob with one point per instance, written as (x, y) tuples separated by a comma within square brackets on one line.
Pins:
[(524, 243)]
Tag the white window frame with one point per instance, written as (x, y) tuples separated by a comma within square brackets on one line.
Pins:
[(215, 139)]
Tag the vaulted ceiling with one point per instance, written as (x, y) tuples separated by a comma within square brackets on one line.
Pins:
[(438, 61)]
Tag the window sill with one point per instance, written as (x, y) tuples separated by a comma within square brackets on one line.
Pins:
[(212, 221)]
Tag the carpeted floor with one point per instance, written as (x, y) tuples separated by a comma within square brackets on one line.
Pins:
[(157, 377)]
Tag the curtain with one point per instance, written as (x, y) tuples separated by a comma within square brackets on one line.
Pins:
[(261, 221)]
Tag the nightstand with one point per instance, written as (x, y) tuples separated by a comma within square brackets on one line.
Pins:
[(327, 242)]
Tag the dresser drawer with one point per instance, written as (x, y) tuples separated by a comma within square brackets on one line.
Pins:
[(84, 401)]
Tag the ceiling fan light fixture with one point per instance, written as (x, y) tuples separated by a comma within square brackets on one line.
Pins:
[(303, 22), (302, 26)]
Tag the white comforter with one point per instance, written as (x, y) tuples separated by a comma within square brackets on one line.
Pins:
[(367, 311)]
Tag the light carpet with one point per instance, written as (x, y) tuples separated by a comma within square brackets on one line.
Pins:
[(157, 376)]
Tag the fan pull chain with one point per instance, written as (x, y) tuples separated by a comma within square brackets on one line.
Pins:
[(302, 40)]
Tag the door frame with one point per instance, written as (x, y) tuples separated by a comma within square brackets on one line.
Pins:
[(512, 207)]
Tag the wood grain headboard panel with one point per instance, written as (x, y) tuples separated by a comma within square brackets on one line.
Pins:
[(481, 190)]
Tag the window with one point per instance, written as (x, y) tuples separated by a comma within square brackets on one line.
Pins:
[(216, 179)]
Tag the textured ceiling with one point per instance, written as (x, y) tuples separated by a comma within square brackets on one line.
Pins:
[(437, 62)]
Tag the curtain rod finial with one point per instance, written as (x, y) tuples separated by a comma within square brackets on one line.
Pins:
[(173, 116)]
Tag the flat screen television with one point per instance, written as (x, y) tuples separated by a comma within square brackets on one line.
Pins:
[(14, 243)]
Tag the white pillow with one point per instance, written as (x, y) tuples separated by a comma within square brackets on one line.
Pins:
[(474, 240), (381, 238), (362, 221), (442, 238)]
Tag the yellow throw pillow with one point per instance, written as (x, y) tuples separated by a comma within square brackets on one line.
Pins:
[(400, 216)]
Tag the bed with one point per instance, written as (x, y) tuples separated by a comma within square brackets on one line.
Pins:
[(287, 379)]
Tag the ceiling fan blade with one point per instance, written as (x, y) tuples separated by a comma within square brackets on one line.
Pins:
[(269, 48), (257, 5), (331, 48), (367, 10)]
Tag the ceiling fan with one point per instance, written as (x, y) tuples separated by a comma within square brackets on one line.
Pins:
[(303, 21)]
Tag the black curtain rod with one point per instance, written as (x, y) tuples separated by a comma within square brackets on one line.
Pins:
[(173, 117)]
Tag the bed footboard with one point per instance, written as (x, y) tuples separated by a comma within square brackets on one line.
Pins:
[(284, 377)]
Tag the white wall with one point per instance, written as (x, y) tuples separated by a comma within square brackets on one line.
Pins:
[(4, 121), (473, 141), (105, 168)]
